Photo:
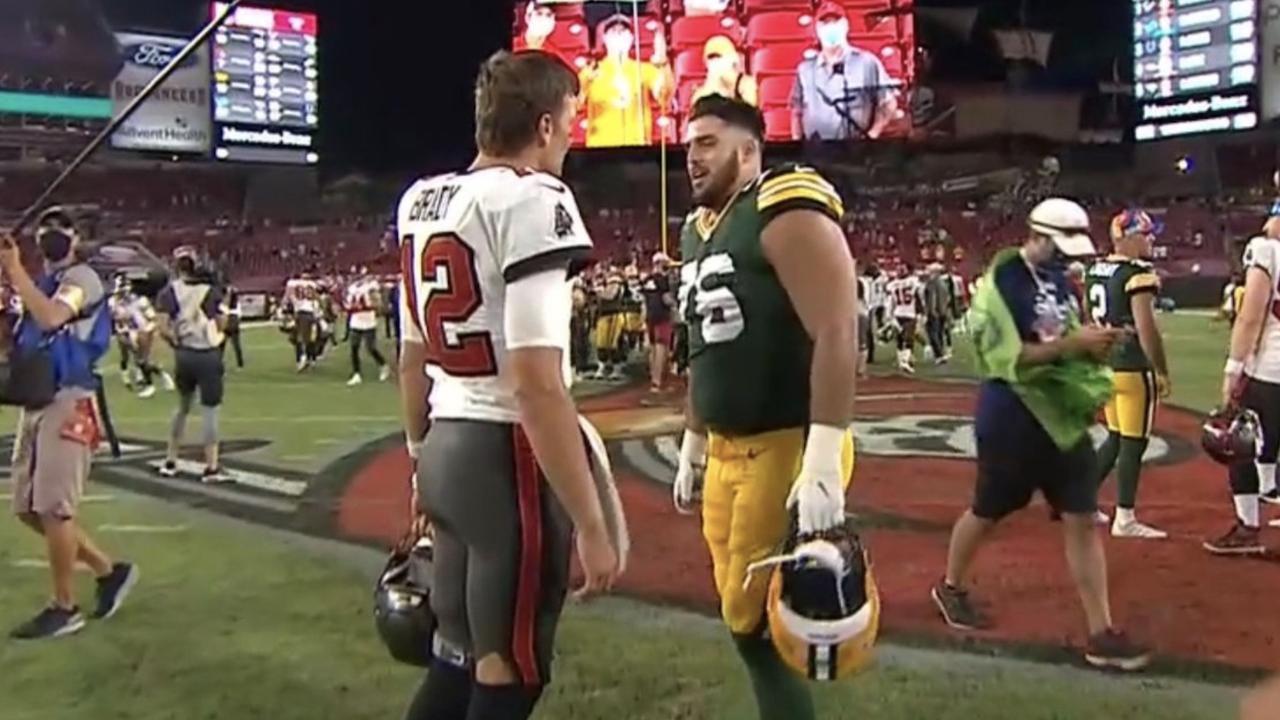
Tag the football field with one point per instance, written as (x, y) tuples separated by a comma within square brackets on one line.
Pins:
[(245, 618)]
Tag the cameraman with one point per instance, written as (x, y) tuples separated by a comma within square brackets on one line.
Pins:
[(66, 319), (192, 318)]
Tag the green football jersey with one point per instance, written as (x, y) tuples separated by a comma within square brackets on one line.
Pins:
[(1110, 285), (748, 351)]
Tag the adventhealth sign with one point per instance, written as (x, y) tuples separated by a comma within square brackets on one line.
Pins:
[(177, 118)]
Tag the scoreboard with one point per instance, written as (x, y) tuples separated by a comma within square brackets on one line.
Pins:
[(1195, 67), (265, 86)]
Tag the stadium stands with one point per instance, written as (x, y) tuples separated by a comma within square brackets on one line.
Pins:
[(779, 27)]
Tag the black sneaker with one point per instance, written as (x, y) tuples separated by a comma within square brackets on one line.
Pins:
[(1113, 649), (169, 469), (114, 588), (52, 622), (1271, 496), (957, 611), (1240, 540)]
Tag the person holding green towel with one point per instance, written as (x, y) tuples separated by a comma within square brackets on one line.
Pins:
[(1044, 378)]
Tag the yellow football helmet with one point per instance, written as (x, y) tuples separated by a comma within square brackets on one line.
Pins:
[(823, 604)]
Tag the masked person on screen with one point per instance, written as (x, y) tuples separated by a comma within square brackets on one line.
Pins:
[(539, 24), (65, 312), (619, 92), (724, 73), (844, 93)]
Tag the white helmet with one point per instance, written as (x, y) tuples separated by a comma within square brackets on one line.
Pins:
[(1066, 223)]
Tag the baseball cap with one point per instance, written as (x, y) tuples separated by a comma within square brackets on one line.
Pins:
[(719, 45), (614, 21), (1064, 222), (829, 10)]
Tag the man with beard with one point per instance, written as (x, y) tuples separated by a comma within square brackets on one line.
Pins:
[(770, 299)]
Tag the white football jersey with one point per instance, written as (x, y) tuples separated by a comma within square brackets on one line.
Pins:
[(360, 302), (463, 238), (1265, 362), (903, 295), (303, 295)]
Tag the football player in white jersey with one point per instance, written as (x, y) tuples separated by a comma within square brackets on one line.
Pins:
[(904, 303), (1252, 381), (302, 298), (361, 301), (487, 255)]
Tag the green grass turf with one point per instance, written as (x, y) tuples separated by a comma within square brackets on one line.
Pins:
[(226, 626), (1195, 343)]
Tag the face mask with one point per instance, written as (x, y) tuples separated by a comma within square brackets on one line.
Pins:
[(54, 244), (720, 66), (832, 34), (541, 26), (618, 44)]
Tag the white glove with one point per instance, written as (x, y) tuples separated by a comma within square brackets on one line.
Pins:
[(818, 491), (692, 464)]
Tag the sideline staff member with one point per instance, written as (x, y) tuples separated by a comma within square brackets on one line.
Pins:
[(65, 311), (193, 320)]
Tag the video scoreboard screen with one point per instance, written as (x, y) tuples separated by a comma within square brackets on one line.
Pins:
[(1195, 67), (265, 86)]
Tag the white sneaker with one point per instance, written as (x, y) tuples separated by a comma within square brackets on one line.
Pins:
[(1136, 529), (905, 368), (147, 392), (355, 380), (617, 376), (1101, 518), (302, 364), (1272, 496), (167, 379), (384, 374)]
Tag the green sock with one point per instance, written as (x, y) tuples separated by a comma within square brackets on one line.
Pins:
[(1128, 468), (1107, 456), (781, 693)]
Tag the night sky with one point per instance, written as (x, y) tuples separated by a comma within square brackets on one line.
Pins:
[(396, 79)]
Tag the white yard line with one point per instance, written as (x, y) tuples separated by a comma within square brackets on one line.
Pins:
[(143, 529)]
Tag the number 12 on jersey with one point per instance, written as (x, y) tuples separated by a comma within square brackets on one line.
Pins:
[(449, 294)]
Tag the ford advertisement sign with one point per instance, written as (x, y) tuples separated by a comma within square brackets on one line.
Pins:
[(177, 117)]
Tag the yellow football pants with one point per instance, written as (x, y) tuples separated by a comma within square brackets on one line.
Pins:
[(1131, 411), (609, 330), (744, 513)]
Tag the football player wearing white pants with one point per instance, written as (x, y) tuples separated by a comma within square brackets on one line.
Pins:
[(1251, 381), (504, 475)]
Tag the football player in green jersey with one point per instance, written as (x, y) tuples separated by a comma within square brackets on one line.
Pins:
[(768, 292), (1121, 292)]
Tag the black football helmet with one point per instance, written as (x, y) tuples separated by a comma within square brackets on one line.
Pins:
[(1231, 435), (402, 605)]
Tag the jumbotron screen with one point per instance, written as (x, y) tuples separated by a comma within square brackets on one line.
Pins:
[(1195, 66), (839, 71), (266, 86)]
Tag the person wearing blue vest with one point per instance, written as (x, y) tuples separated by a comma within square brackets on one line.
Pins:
[(64, 315)]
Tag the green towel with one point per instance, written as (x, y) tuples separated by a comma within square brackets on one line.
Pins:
[(1065, 395)]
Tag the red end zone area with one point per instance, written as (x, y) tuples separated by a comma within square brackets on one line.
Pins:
[(914, 475)]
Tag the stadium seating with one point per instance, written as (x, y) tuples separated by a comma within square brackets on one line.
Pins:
[(775, 92), (779, 27), (889, 54), (778, 60), (689, 64), (692, 32), (777, 124), (570, 38)]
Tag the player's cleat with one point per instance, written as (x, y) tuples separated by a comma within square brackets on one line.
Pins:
[(617, 375), (169, 469), (1113, 649), (302, 364), (906, 369), (384, 374), (1135, 529), (213, 476), (114, 588), (1240, 540), (1271, 496), (167, 379), (146, 392), (355, 380), (52, 622), (956, 608)]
